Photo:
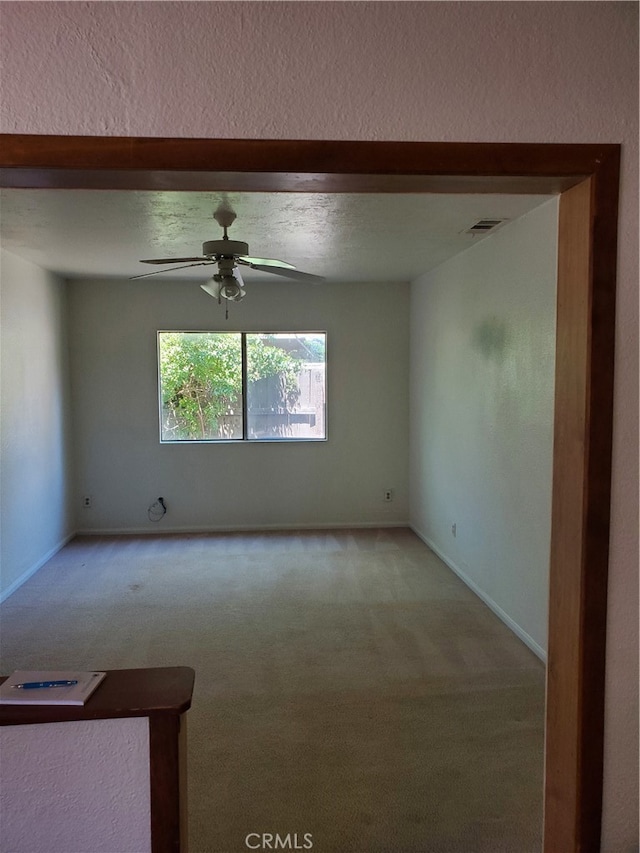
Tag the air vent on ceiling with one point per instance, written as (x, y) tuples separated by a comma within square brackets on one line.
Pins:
[(484, 225)]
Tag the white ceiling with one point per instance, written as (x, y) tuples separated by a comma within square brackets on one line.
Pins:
[(344, 237)]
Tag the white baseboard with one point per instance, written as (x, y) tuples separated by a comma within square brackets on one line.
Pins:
[(34, 568), (238, 528), (536, 648)]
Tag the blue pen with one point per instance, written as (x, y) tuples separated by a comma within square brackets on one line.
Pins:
[(34, 685)]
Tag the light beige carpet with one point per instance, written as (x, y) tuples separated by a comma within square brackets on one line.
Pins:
[(348, 685)]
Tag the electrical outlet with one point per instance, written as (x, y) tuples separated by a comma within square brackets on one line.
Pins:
[(388, 495), (454, 530), (87, 501)]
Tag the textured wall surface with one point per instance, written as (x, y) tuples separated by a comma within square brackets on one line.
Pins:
[(512, 72), (35, 502), (80, 786), (482, 384), (340, 481)]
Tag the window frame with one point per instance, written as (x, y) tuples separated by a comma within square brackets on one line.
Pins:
[(244, 388)]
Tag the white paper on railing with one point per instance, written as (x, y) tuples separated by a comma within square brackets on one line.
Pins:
[(62, 694)]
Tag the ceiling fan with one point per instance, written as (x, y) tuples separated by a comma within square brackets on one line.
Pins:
[(228, 254)]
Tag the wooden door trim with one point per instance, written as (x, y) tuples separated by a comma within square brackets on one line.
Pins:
[(588, 178)]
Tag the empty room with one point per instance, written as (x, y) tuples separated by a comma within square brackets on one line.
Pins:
[(309, 448), (328, 614)]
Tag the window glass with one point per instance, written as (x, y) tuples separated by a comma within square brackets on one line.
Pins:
[(200, 386), (286, 386), (203, 396)]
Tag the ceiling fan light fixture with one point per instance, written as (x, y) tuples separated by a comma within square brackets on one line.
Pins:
[(230, 289), (212, 287), (227, 254)]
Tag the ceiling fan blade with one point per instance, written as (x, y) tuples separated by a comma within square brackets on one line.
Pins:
[(172, 269), (171, 260), (289, 273), (264, 262)]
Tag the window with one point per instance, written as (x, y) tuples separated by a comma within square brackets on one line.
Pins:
[(234, 386)]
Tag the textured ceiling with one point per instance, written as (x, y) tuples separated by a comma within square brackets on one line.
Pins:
[(344, 237)]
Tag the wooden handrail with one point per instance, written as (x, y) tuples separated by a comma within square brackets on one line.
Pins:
[(161, 694)]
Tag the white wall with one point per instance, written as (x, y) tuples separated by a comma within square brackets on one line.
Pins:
[(35, 516), (76, 786), (120, 463), (482, 383), (438, 71)]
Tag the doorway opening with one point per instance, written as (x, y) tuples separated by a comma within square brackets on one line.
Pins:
[(586, 177)]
